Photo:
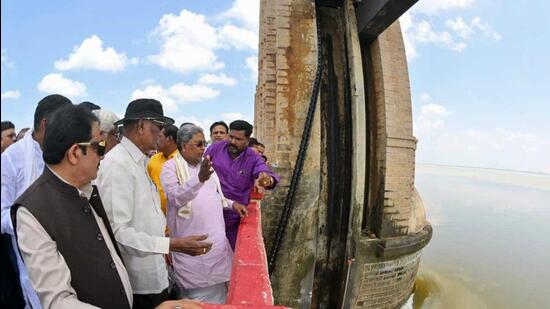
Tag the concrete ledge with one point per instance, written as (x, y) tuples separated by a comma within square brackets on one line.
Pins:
[(394, 247)]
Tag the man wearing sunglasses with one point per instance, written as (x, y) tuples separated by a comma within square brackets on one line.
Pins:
[(61, 226), (133, 205)]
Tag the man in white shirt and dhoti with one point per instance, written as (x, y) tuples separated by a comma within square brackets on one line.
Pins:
[(133, 206)]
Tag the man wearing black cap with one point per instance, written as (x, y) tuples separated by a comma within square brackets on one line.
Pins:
[(133, 206), (22, 163)]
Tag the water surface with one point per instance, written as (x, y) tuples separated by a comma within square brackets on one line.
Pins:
[(491, 240)]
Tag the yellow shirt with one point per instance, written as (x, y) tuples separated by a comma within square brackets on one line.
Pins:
[(154, 167)]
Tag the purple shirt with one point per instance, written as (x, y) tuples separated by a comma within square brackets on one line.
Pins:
[(237, 176)]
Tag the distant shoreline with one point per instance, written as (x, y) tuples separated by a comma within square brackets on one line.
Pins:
[(502, 176), (485, 168)]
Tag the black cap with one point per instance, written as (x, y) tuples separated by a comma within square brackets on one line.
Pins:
[(145, 109)]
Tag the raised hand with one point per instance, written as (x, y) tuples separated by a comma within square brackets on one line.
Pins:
[(206, 169)]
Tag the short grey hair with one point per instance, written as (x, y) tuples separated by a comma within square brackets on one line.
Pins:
[(186, 132), (106, 118)]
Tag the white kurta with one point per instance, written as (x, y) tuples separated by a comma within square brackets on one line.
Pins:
[(22, 163), (132, 203)]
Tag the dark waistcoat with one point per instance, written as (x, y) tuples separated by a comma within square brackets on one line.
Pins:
[(68, 219)]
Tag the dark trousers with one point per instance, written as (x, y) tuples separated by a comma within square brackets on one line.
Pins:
[(232, 221), (12, 297), (150, 301)]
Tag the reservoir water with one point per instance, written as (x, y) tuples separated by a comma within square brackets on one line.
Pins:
[(491, 239)]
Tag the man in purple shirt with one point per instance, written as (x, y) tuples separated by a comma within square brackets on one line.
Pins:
[(238, 167)]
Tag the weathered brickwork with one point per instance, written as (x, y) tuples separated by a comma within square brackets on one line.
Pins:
[(387, 284), (396, 153), (287, 65)]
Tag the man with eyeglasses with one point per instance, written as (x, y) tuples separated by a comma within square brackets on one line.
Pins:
[(61, 226), (133, 206), (22, 164), (109, 132)]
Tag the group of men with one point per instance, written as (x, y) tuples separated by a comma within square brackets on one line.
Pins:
[(90, 220)]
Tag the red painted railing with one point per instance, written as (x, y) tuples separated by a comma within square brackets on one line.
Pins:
[(250, 286)]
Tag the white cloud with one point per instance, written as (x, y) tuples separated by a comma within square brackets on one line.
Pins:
[(206, 122), (188, 43), (238, 38), (5, 62), (231, 116), (485, 29), (56, 83), (203, 123), (158, 93), (11, 94), (436, 6), (193, 93), (496, 147), (421, 32), (247, 12), (221, 79), (425, 97), (252, 65), (492, 147), (91, 55), (176, 94), (432, 117), (466, 30), (461, 32), (434, 110)]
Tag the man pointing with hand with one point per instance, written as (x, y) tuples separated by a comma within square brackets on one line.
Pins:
[(195, 206), (238, 167)]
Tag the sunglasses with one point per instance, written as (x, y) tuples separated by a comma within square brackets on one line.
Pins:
[(98, 146), (200, 144)]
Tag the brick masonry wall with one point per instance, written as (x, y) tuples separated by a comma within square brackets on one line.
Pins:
[(287, 62), (396, 154), (387, 284)]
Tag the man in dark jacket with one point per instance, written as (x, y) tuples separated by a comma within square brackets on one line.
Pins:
[(61, 227)]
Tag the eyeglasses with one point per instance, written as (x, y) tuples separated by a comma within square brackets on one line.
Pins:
[(156, 122), (98, 146), (200, 144), (116, 135)]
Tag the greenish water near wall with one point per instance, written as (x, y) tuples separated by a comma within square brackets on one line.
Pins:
[(491, 240)]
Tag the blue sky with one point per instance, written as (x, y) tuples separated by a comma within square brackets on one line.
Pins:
[(478, 68)]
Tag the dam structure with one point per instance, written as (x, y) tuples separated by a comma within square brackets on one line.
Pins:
[(346, 226)]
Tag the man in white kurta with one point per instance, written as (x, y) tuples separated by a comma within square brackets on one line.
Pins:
[(22, 164)]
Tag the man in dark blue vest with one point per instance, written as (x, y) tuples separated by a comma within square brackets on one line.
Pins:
[(61, 227)]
